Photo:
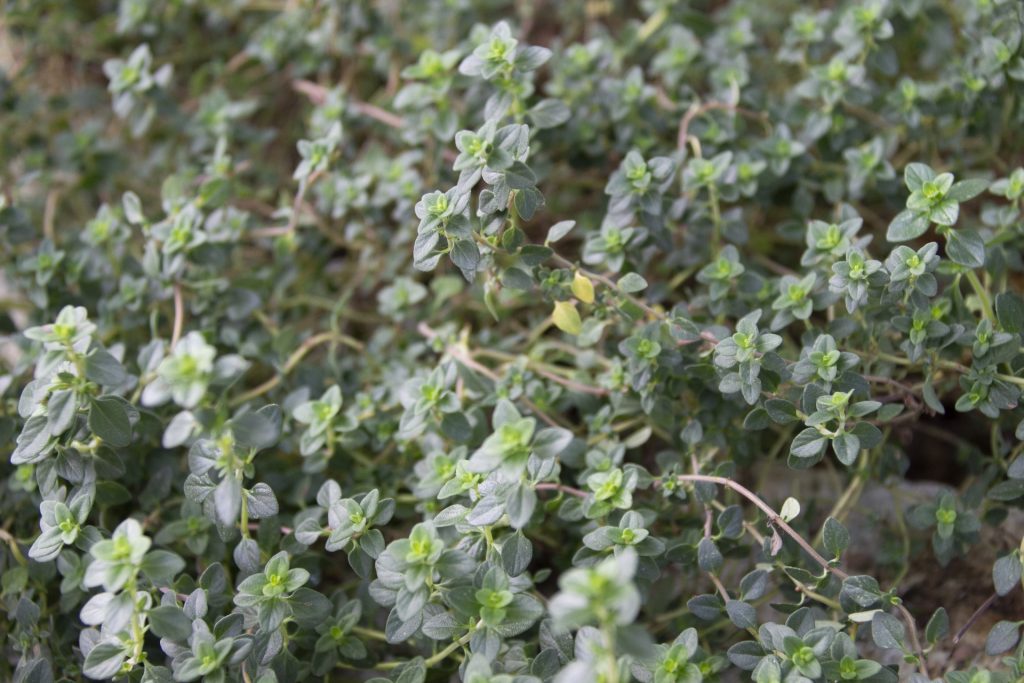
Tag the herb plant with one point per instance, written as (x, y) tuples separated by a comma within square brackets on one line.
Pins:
[(512, 342)]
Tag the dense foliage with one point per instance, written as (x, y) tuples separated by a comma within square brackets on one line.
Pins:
[(512, 342)]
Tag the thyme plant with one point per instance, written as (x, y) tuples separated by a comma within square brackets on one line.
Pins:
[(512, 342)]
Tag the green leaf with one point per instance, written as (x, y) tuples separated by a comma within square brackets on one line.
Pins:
[(945, 213), (60, 411), (104, 369), (966, 248), (808, 443), (915, 174), (414, 671), (456, 427), (1006, 573), (780, 410), (169, 621), (741, 614), (967, 189), (1006, 491), (519, 176), (527, 202), (705, 607), (32, 442), (534, 254), (862, 590), (161, 566), (768, 670), (398, 631), (466, 256), (551, 442), (632, 282), (520, 505), (47, 545), (108, 419), (271, 612), (1016, 468), (756, 420), (558, 231), (442, 626), (835, 537), (549, 113), (227, 500), (261, 501), (709, 558), (906, 226), (847, 447), (938, 626), (887, 631), (868, 434), (104, 660), (1003, 636), (746, 654), (516, 554), (132, 208), (309, 608), (259, 429), (931, 398), (1010, 311)]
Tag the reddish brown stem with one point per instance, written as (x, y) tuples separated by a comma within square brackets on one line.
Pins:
[(776, 521)]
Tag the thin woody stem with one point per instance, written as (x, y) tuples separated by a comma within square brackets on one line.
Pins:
[(461, 354), (776, 521), (780, 524), (295, 359)]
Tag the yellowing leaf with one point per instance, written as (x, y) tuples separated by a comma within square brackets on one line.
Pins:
[(566, 317), (583, 288)]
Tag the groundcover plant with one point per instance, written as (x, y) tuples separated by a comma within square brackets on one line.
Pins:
[(512, 342)]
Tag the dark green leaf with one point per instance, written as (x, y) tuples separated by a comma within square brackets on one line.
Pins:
[(938, 626), (168, 621), (1010, 311), (966, 248), (1006, 573), (104, 369), (161, 566), (108, 419), (808, 443), (708, 556), (1002, 637), (260, 429), (835, 537), (516, 554), (887, 631)]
